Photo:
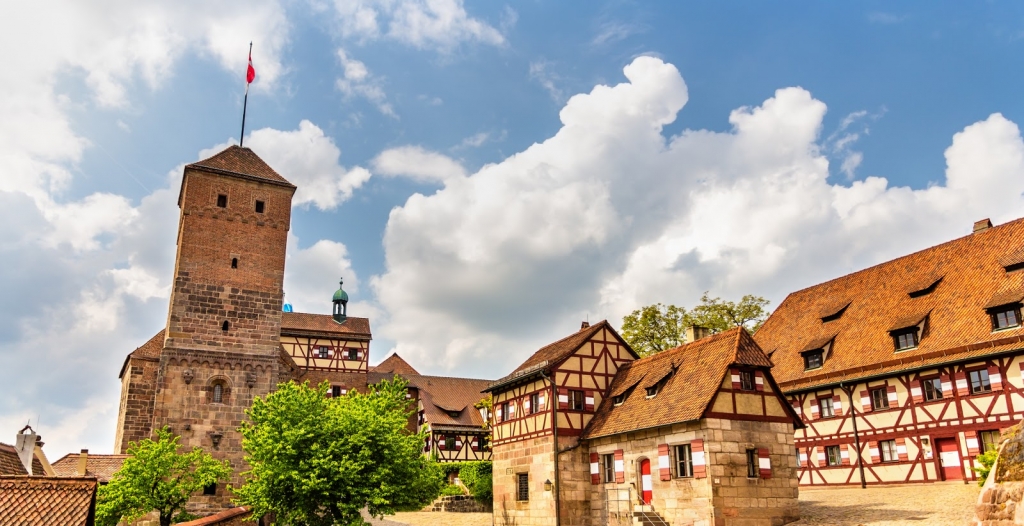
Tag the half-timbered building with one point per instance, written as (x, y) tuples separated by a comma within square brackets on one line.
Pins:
[(700, 434), (906, 371)]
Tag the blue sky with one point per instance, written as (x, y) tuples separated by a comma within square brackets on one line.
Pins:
[(485, 174)]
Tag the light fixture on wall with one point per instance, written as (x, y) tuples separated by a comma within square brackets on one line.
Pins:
[(547, 485)]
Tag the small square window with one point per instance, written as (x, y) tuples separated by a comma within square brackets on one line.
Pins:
[(753, 469), (880, 398), (1005, 318), (979, 381), (813, 359), (535, 403), (576, 400), (259, 207), (449, 443), (887, 448), (522, 487), (684, 461), (746, 380), (834, 457), (353, 354), (932, 389), (323, 351), (608, 467), (825, 406), (222, 201)]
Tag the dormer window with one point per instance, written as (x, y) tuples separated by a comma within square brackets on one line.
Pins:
[(814, 359), (906, 333), (453, 414), (834, 312), (652, 391), (1005, 317), (905, 339), (619, 399)]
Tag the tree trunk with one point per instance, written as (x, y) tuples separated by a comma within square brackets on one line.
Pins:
[(165, 519)]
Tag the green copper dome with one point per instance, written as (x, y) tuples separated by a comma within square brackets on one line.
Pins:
[(341, 295)]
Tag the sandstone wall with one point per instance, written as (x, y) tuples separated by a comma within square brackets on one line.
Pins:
[(533, 457), (138, 392)]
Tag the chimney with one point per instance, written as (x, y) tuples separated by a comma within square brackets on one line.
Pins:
[(984, 224), (585, 325), (83, 462), (694, 333), (25, 444)]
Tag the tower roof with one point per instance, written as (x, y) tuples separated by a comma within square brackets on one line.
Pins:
[(241, 162), (340, 294)]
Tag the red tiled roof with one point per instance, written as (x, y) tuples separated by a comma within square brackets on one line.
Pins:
[(220, 518), (10, 462), (440, 394), (236, 160), (302, 321), (100, 466), (972, 275), (394, 364), (45, 501), (697, 370)]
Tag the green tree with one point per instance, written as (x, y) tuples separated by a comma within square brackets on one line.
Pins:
[(156, 476), (658, 327), (317, 460)]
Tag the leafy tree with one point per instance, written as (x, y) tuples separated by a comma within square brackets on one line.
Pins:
[(658, 327), (156, 476), (317, 460)]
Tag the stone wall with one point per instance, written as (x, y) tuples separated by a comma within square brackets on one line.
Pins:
[(533, 457), (458, 504), (138, 392)]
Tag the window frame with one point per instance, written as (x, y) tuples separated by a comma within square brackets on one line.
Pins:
[(217, 396), (822, 403), (884, 390), (506, 413), (534, 403), (933, 382), (914, 334), (983, 378), (449, 442), (577, 395), (833, 456), (261, 206), (747, 380), (222, 200), (683, 461), (989, 433), (323, 351), (522, 487), (1013, 308), (352, 354), (819, 353), (753, 466), (335, 391), (608, 468), (887, 448)]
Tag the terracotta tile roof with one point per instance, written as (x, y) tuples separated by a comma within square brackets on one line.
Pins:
[(972, 275), (223, 517), (440, 394), (10, 462), (100, 466), (394, 364), (697, 370), (45, 501), (324, 323), (236, 160)]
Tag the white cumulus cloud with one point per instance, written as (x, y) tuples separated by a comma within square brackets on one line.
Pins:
[(425, 24)]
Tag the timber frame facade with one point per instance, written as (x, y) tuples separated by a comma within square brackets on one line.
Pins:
[(908, 370)]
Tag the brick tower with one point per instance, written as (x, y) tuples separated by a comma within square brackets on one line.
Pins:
[(222, 342)]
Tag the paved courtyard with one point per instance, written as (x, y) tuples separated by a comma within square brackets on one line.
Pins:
[(938, 504)]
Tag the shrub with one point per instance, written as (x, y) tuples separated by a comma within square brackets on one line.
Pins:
[(451, 490), (476, 476), (986, 460)]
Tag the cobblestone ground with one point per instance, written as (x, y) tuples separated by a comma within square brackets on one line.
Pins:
[(437, 518), (936, 504)]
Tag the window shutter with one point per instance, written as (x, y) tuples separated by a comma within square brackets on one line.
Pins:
[(359, 355), (796, 407), (497, 414), (764, 463), (894, 400), (540, 402), (475, 445), (426, 444), (845, 453), (801, 459), (865, 400), (526, 406), (595, 469), (814, 410), (961, 383), (821, 457), (458, 443), (700, 469), (664, 462), (837, 405), (901, 449), (915, 391), (441, 443), (759, 380), (947, 385), (511, 410), (588, 401), (563, 399), (620, 467), (995, 378), (735, 374), (972, 442), (875, 456)]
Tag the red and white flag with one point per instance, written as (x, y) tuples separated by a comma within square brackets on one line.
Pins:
[(250, 73)]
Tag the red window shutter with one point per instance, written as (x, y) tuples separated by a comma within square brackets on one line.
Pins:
[(796, 408), (846, 453), (815, 411), (700, 469), (865, 400), (995, 378), (837, 405), (894, 400), (759, 380), (595, 468), (664, 462), (961, 383), (916, 393), (820, 457), (542, 402), (497, 414), (901, 449), (476, 444), (876, 456), (563, 398), (735, 375), (588, 401), (441, 443), (947, 385), (620, 467), (972, 442), (764, 463)]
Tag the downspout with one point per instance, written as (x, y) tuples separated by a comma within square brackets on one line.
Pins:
[(856, 435), (554, 446)]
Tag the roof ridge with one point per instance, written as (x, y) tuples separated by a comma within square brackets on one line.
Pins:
[(575, 334), (447, 377)]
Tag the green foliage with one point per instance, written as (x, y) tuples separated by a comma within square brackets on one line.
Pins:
[(658, 327), (317, 460), (986, 460), (475, 475), (156, 476), (451, 489)]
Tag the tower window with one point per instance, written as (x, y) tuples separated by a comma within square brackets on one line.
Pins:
[(259, 207), (234, 262), (225, 326), (218, 393), (222, 200)]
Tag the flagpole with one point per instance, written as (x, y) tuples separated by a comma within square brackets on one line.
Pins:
[(245, 101)]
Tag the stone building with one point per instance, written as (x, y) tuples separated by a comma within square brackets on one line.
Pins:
[(904, 372), (697, 435)]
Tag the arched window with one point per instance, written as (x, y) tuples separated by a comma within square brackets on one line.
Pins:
[(218, 393), (225, 326)]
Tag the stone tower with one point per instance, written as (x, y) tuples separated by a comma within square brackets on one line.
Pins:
[(222, 342)]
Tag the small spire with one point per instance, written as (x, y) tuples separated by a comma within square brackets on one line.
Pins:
[(340, 301)]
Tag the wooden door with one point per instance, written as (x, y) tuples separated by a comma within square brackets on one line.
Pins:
[(949, 458), (646, 485)]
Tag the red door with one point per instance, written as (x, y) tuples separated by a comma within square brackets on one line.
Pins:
[(949, 458), (646, 486)]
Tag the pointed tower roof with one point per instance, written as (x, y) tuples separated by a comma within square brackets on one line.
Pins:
[(241, 162)]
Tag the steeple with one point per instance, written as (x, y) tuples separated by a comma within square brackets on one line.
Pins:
[(340, 301)]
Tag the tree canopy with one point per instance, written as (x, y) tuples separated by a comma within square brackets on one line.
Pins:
[(658, 327), (155, 476), (317, 460)]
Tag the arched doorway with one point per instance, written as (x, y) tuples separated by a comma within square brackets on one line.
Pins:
[(646, 485)]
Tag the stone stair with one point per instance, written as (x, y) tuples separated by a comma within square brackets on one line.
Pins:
[(644, 515)]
